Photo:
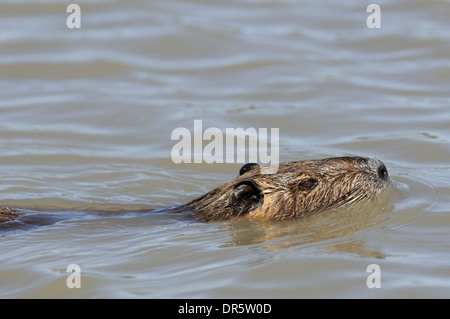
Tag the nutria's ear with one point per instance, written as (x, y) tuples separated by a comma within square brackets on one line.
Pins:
[(245, 197), (247, 167)]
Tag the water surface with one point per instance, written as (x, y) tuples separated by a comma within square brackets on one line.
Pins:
[(87, 115)]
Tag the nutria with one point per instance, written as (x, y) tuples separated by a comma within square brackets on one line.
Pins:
[(296, 189)]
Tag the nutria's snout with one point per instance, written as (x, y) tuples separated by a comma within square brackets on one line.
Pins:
[(377, 169), (382, 172), (296, 189)]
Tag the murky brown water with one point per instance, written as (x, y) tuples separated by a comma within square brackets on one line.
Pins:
[(86, 117)]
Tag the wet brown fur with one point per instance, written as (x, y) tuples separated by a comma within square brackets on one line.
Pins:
[(296, 189), (8, 214)]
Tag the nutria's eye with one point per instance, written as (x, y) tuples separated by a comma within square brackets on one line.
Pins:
[(307, 184)]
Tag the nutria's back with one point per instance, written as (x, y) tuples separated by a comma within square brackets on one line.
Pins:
[(8, 214), (296, 189)]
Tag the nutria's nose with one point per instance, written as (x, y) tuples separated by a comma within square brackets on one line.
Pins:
[(382, 172)]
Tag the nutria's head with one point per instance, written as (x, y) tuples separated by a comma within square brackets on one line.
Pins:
[(296, 189)]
